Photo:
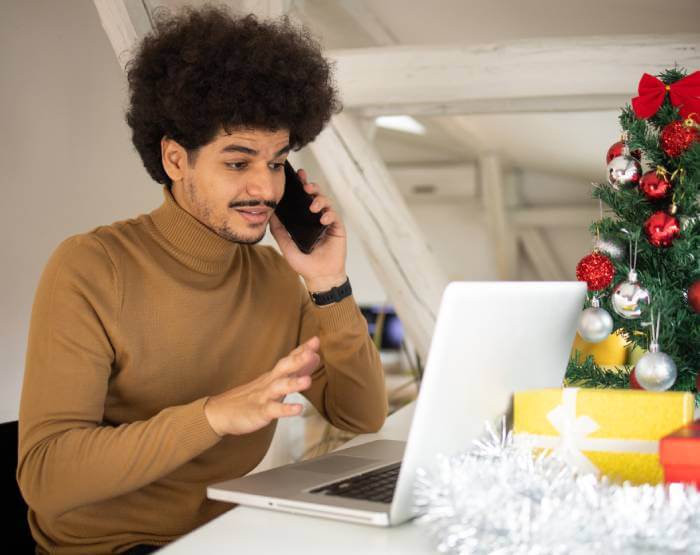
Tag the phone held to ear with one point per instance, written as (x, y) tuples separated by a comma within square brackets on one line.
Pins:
[(304, 227)]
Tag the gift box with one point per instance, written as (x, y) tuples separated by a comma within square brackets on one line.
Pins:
[(614, 432), (680, 455)]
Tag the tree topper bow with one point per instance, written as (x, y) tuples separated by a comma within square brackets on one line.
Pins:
[(684, 93)]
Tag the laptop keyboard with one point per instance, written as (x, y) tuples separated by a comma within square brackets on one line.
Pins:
[(375, 485)]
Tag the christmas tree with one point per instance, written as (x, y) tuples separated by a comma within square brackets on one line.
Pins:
[(644, 272)]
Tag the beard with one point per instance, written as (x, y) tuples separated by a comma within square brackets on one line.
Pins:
[(230, 235), (205, 215)]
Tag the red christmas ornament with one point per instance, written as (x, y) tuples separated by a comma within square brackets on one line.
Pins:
[(679, 135), (654, 186), (596, 270), (634, 384), (694, 297), (618, 149), (661, 229)]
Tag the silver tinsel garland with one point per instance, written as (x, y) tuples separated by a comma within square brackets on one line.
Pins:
[(501, 499)]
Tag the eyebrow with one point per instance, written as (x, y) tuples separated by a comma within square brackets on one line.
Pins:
[(252, 152)]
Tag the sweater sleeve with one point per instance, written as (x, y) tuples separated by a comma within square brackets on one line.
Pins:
[(348, 388), (67, 456)]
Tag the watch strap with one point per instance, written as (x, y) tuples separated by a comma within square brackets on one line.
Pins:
[(333, 295)]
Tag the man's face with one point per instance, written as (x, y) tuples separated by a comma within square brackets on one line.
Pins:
[(234, 183)]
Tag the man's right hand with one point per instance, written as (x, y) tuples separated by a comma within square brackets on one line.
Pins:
[(252, 406)]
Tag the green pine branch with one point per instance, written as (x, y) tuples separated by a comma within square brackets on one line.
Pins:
[(666, 272), (589, 374)]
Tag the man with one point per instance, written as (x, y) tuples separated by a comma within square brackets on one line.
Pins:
[(161, 347)]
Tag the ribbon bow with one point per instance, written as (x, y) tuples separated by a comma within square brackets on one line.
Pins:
[(572, 430), (684, 93)]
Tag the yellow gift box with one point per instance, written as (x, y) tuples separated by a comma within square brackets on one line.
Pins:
[(614, 432)]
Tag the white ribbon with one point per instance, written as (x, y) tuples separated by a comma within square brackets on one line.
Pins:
[(572, 440), (572, 430)]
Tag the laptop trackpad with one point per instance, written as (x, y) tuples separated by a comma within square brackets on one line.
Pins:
[(335, 465)]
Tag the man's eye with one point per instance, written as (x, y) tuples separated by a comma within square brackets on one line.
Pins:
[(237, 165), (277, 167)]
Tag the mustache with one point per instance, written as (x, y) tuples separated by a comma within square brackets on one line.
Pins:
[(249, 203)]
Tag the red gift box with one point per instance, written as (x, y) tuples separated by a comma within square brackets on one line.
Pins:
[(679, 453)]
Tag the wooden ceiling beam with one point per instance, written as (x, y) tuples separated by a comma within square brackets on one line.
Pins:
[(373, 205), (571, 74)]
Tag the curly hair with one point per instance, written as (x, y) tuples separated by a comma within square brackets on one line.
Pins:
[(205, 70)]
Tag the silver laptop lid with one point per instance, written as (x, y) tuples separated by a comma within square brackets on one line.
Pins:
[(490, 339)]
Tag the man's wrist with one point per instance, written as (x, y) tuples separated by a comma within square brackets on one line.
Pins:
[(209, 412), (332, 295), (319, 285)]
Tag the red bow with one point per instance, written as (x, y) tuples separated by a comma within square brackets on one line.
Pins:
[(684, 93)]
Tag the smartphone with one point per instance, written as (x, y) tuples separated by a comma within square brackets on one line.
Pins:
[(304, 227)]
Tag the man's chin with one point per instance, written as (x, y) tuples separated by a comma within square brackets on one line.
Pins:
[(242, 238)]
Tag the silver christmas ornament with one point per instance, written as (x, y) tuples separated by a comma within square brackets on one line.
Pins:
[(655, 371), (628, 297), (595, 323), (623, 170)]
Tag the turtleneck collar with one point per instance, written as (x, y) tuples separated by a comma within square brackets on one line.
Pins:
[(190, 241)]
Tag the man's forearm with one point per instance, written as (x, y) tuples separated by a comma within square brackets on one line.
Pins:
[(349, 390), (80, 466)]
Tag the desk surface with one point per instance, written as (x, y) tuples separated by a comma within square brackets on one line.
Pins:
[(248, 530)]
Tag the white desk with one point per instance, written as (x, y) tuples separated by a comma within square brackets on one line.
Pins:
[(247, 530)]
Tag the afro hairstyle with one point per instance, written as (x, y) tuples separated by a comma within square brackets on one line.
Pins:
[(205, 70)]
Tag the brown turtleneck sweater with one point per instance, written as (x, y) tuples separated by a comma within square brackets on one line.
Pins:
[(133, 326)]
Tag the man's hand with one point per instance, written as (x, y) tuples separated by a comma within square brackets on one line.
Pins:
[(252, 406), (325, 266)]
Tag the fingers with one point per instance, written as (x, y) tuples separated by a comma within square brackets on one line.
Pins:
[(303, 176), (311, 188), (275, 409), (312, 343), (321, 204), (284, 386), (301, 361)]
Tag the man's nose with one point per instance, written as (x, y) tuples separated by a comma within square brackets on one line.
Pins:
[(261, 184)]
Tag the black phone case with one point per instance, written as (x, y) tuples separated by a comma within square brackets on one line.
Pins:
[(304, 227)]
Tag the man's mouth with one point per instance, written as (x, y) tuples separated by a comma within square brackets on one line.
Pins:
[(257, 215)]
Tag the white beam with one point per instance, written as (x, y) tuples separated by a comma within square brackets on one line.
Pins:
[(555, 216), (496, 203), (371, 202), (540, 254), (125, 22), (572, 74), (573, 103)]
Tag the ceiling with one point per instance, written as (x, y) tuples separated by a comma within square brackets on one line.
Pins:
[(570, 144)]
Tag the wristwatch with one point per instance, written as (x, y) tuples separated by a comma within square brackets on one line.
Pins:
[(333, 295)]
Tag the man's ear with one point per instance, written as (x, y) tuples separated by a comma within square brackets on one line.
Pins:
[(174, 159)]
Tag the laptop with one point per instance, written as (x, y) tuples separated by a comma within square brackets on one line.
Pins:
[(490, 340)]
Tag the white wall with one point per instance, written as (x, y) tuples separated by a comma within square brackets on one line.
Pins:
[(66, 158)]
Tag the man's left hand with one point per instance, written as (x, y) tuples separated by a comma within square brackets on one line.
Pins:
[(324, 267)]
